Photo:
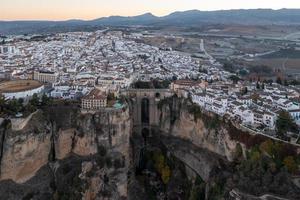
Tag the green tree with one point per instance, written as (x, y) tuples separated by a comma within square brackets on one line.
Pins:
[(255, 156), (2, 103), (165, 174), (284, 124), (34, 101), (267, 147), (243, 72), (234, 79), (290, 164), (21, 101), (14, 106), (162, 167), (45, 100)]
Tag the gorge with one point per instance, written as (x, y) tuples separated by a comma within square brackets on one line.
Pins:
[(157, 146)]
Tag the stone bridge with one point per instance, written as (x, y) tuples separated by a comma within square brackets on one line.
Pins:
[(146, 118), (144, 106)]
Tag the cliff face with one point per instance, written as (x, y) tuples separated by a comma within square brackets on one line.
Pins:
[(109, 130), (106, 135), (66, 154), (177, 121), (25, 151), (205, 143), (99, 142)]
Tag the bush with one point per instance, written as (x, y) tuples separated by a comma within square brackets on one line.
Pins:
[(162, 166), (284, 124), (195, 110), (290, 164)]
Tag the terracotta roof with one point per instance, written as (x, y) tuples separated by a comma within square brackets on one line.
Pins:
[(95, 94)]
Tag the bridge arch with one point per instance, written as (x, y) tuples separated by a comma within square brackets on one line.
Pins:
[(145, 110), (157, 95)]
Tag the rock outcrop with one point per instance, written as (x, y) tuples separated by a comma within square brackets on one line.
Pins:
[(66, 154), (177, 121), (26, 151), (61, 132)]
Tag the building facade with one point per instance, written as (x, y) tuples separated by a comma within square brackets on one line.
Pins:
[(45, 76), (94, 100)]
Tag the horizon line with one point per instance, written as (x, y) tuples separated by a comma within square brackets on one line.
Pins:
[(91, 19)]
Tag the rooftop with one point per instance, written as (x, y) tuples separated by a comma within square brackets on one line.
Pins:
[(95, 94)]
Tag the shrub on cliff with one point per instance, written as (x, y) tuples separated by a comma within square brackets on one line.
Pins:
[(216, 190), (211, 120), (238, 154), (198, 190), (162, 166), (290, 164), (195, 110), (281, 153), (165, 102), (265, 170), (165, 174), (244, 137)]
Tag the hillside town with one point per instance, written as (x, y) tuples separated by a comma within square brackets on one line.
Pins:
[(95, 67)]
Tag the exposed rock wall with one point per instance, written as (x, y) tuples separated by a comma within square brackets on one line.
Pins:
[(186, 127), (64, 142), (87, 154), (106, 129), (27, 150), (60, 132)]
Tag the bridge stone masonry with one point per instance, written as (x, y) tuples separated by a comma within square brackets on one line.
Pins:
[(144, 106)]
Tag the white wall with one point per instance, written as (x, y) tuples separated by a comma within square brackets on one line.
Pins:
[(23, 94)]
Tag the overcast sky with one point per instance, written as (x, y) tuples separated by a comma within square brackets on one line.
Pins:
[(91, 9)]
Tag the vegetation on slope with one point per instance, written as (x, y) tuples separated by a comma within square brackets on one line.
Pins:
[(15, 106), (268, 166), (268, 169)]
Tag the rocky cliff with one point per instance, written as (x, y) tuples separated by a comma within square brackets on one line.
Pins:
[(25, 150), (61, 153), (66, 143), (206, 131), (222, 154)]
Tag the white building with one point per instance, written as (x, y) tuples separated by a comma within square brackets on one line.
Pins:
[(45, 76)]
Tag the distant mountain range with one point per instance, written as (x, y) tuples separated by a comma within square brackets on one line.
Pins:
[(186, 19)]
